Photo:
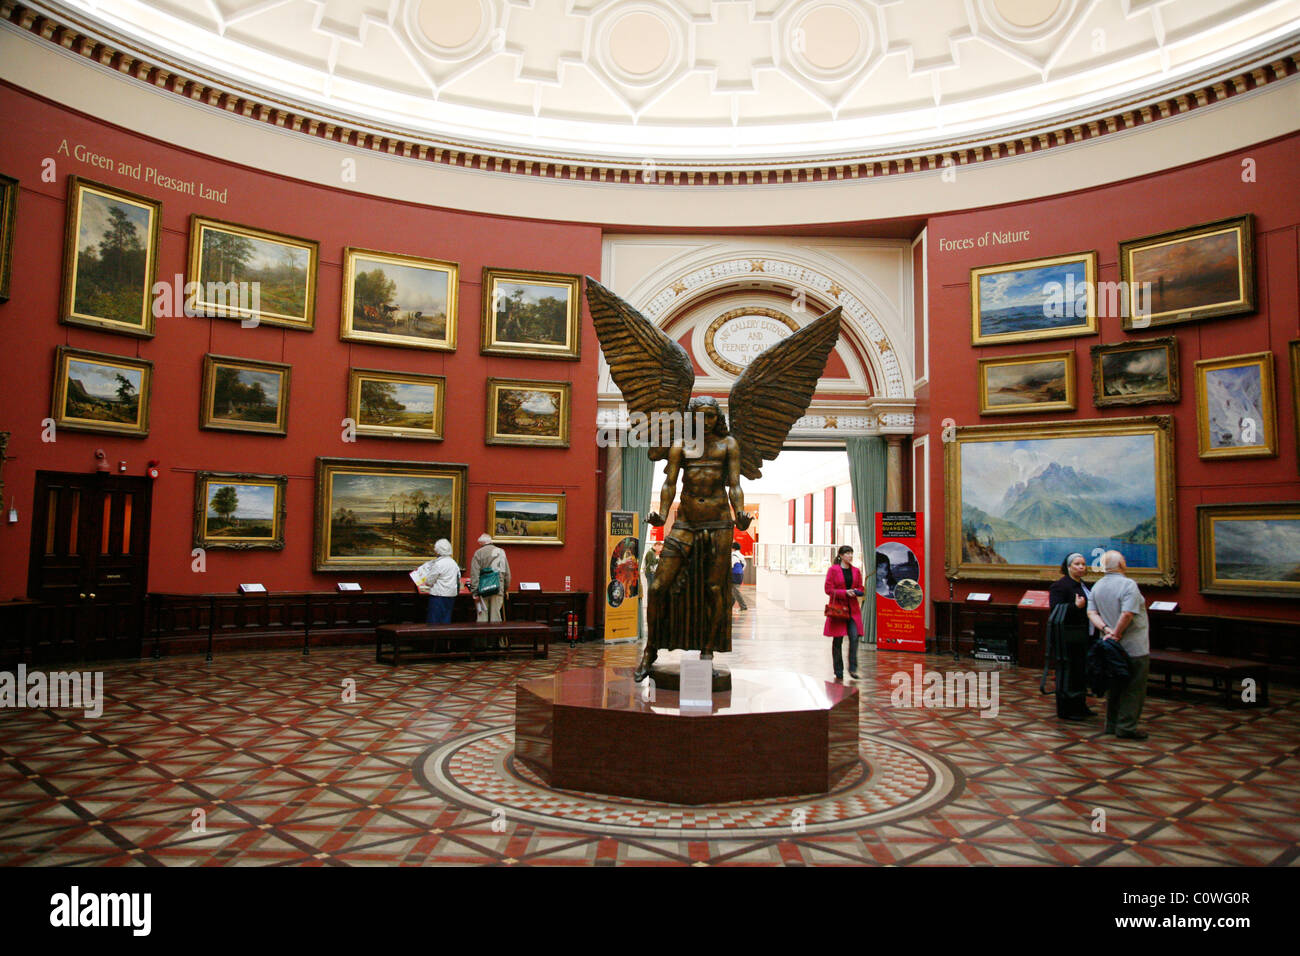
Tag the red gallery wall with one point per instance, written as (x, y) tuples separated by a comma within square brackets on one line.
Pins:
[(34, 130), (1099, 220)]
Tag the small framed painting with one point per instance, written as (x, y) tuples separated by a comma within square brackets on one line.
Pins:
[(252, 275), (396, 404), (525, 518), (241, 395), (521, 412), (1235, 414), (1189, 274), (399, 300), (1250, 549), (110, 258), (1034, 299), (8, 216), (1020, 384), (531, 314), (96, 392), (1138, 372), (239, 511)]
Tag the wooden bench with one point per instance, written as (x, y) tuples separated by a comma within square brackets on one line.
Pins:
[(1225, 673), (500, 637)]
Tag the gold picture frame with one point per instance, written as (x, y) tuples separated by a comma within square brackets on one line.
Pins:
[(239, 402), (1004, 521), (1024, 384), (1249, 549), (1295, 395), (1136, 372), (104, 221), (525, 518), (1034, 299), (1236, 413), (375, 515), (523, 317), (381, 404), (8, 219), (527, 412), (99, 392), (393, 299), (1190, 274), (255, 276), (223, 520)]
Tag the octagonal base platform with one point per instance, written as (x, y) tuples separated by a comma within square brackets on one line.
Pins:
[(773, 734)]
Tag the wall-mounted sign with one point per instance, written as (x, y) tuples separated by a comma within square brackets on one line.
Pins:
[(736, 338)]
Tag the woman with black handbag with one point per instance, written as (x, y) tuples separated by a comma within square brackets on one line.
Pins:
[(843, 612)]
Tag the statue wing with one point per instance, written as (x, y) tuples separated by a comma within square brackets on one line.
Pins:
[(652, 371), (774, 391)]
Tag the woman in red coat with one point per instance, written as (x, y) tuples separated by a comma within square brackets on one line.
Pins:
[(843, 588)]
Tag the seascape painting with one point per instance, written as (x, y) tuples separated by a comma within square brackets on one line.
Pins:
[(1190, 274), (1234, 405), (110, 258), (399, 300), (1038, 299), (1250, 548), (1030, 383), (1024, 501), (239, 511), (1135, 373)]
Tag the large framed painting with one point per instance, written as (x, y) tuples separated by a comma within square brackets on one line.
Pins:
[(1018, 384), (1295, 395), (531, 314), (525, 518), (1020, 497), (523, 412), (1250, 549), (387, 515), (110, 258), (1235, 412), (1189, 274), (1137, 372), (241, 395), (396, 404), (1034, 299), (97, 392), (255, 276), (239, 511), (400, 300), (8, 217)]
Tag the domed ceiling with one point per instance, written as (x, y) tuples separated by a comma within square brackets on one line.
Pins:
[(681, 81)]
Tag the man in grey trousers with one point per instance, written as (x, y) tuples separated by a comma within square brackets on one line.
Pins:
[(1118, 611)]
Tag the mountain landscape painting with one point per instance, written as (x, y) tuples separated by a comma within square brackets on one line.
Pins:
[(1234, 406), (1034, 501)]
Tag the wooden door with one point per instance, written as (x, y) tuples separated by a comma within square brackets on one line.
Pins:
[(89, 566)]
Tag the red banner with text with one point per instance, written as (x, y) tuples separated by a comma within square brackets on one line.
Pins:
[(900, 599)]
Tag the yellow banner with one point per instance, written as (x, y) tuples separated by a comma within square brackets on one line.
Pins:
[(622, 575)]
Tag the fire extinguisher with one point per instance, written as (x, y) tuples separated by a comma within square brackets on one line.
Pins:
[(571, 628)]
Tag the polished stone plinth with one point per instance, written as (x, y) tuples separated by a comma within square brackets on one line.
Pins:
[(773, 734)]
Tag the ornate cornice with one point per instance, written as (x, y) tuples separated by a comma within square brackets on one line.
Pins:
[(210, 93)]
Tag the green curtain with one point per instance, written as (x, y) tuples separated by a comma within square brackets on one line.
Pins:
[(638, 474), (867, 464)]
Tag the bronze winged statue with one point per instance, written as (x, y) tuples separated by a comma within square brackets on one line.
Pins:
[(689, 602)]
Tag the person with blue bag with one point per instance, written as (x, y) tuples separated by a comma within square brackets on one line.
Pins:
[(737, 575)]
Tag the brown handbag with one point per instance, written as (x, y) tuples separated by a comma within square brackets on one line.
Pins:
[(837, 612)]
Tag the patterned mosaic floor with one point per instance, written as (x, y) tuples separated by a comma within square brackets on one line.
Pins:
[(258, 760)]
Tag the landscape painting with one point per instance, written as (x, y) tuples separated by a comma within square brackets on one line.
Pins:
[(255, 276), (526, 518), (8, 217), (1135, 373), (1042, 382), (527, 413), (533, 314), (1034, 299), (239, 511), (245, 396), (1250, 549), (398, 300), (1022, 497), (1295, 394), (96, 392), (1235, 415), (110, 258), (386, 515), (396, 405), (1190, 274)]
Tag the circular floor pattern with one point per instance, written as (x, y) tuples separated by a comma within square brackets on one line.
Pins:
[(892, 782)]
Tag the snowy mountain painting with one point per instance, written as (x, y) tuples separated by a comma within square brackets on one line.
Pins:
[(1234, 406)]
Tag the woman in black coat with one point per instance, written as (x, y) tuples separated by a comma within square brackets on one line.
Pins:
[(1071, 654)]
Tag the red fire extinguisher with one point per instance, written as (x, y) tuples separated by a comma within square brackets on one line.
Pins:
[(571, 628)]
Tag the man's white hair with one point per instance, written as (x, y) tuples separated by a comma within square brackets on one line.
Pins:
[(1111, 560)]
